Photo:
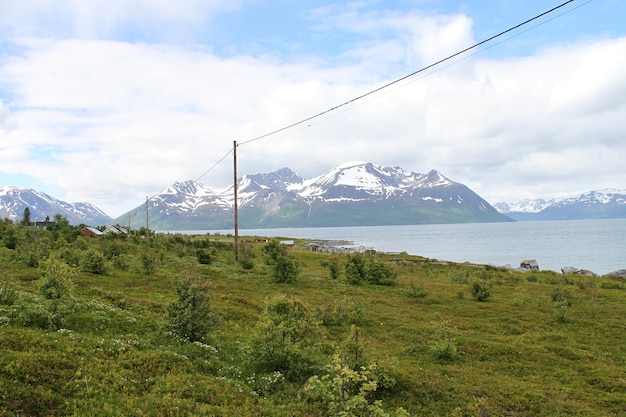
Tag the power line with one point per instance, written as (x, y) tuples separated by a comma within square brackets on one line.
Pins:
[(214, 165), (407, 76), (399, 80)]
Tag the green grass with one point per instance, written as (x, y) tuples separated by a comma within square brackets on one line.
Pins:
[(516, 354)]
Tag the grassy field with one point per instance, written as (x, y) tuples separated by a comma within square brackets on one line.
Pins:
[(86, 329)]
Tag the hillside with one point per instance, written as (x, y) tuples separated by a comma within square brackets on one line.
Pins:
[(94, 330)]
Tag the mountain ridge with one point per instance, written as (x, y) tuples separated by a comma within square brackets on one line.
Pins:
[(606, 203), (352, 194), (13, 201)]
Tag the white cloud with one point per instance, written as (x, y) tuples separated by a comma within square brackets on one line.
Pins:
[(97, 19), (113, 121)]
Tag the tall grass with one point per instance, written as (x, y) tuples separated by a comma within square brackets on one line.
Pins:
[(538, 345)]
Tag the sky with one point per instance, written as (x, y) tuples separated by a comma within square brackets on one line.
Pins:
[(111, 101)]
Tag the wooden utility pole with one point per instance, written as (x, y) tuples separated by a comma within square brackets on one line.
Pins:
[(236, 209)]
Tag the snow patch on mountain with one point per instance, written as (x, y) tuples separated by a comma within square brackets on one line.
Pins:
[(524, 206)]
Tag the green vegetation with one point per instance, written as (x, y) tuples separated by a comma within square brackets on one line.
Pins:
[(172, 325)]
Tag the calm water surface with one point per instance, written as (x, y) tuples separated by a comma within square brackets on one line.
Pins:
[(597, 245)]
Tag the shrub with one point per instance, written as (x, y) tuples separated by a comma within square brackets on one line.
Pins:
[(380, 273), (190, 315), (339, 312), (70, 257), (443, 345), (8, 296), (481, 290), (417, 290), (347, 387), (355, 269), (246, 257), (564, 297), (285, 340), (520, 297), (56, 303), (149, 261), (203, 256), (57, 280), (93, 262), (560, 311), (114, 246), (284, 267)]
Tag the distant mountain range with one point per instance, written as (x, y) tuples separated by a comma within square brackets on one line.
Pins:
[(13, 201), (352, 194), (602, 204)]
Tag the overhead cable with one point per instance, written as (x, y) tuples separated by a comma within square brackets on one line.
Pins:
[(369, 93)]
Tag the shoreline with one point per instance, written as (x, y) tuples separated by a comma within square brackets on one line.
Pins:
[(341, 246)]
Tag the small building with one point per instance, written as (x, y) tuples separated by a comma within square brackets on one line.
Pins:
[(89, 231), (288, 243), (115, 230)]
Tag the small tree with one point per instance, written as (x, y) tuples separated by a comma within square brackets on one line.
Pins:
[(56, 303), (190, 315), (380, 273), (481, 290), (355, 269), (57, 280), (284, 266), (93, 262), (285, 339), (349, 384), (26, 217), (246, 257), (443, 345)]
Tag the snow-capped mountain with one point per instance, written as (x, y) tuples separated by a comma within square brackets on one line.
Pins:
[(601, 204), (351, 194), (13, 201), (524, 206)]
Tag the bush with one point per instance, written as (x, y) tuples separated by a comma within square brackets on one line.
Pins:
[(380, 273), (285, 340), (284, 267), (564, 297), (204, 257), (443, 345), (347, 387), (190, 316), (57, 280), (355, 269), (149, 261), (339, 312), (8, 296), (51, 310), (417, 290), (246, 257), (560, 311), (481, 290), (93, 262)]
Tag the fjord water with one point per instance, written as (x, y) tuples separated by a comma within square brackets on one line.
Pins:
[(596, 245)]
